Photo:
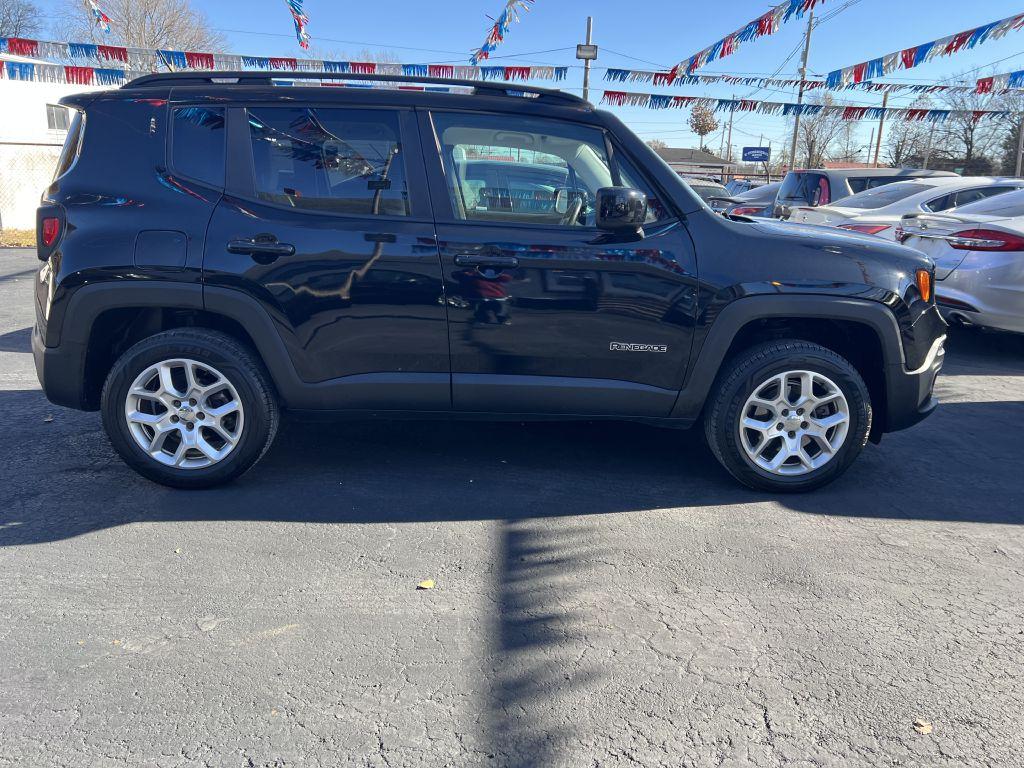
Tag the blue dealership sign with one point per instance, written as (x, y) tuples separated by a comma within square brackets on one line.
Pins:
[(757, 154)]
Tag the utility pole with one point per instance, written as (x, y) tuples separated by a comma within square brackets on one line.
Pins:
[(800, 97), (1020, 145), (881, 125), (871, 143), (728, 148), (588, 53), (928, 150)]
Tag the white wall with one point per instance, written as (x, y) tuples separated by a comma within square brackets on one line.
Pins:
[(28, 148)]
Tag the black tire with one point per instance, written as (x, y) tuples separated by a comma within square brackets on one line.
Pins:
[(235, 362), (749, 370)]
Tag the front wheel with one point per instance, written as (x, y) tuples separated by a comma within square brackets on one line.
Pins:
[(788, 416), (189, 408)]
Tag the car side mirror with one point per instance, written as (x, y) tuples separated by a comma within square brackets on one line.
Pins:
[(621, 209)]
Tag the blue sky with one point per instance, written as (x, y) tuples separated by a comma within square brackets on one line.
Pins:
[(642, 35)]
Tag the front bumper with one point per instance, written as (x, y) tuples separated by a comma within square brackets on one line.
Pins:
[(910, 393)]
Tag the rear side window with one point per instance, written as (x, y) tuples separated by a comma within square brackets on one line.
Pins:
[(880, 197), (811, 189), (72, 144), (1005, 206), (197, 144), (327, 159)]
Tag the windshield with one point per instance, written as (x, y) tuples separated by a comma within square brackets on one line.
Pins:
[(879, 197), (800, 188), (1007, 205), (707, 190)]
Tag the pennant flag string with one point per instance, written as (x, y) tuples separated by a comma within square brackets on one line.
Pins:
[(774, 108), (670, 78), (1000, 83), (301, 20), (767, 24), (498, 30), (925, 52), (89, 64), (101, 19)]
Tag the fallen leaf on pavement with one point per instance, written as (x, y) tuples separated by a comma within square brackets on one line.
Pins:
[(427, 584), (209, 623), (48, 420), (922, 726)]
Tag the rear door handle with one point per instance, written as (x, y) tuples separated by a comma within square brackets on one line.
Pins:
[(262, 247), (472, 260)]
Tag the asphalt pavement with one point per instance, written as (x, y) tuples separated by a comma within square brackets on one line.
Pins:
[(605, 594)]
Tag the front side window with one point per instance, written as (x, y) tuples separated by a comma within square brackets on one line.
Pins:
[(334, 160), (525, 170), (197, 144)]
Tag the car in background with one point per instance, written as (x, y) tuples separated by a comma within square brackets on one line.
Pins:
[(978, 250), (758, 202), (739, 186), (711, 192), (879, 211), (819, 186)]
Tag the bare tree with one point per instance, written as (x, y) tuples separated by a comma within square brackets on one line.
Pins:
[(168, 24), (820, 134), (657, 144), (907, 141), (19, 18), (966, 138), (702, 121)]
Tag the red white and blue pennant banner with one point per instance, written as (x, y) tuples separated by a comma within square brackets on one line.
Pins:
[(925, 52), (663, 101), (672, 78), (999, 83), (767, 24), (497, 31), (101, 19), (89, 64), (301, 20)]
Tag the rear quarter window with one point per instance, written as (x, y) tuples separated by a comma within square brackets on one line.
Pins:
[(197, 144), (72, 144)]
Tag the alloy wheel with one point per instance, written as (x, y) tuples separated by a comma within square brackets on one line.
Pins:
[(184, 414), (794, 423)]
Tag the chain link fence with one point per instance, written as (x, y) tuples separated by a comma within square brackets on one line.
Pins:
[(26, 169)]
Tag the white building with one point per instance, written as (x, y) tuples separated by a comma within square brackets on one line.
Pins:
[(32, 130)]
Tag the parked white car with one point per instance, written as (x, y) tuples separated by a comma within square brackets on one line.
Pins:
[(978, 250), (878, 211)]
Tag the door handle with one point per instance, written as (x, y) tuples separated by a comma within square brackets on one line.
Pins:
[(262, 247), (472, 260)]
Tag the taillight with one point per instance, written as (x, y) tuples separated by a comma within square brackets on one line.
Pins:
[(985, 240), (866, 229), (747, 210), (50, 230), (924, 284)]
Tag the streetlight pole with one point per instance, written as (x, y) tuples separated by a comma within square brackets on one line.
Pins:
[(586, 61), (800, 96)]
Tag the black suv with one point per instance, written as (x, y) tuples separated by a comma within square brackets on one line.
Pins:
[(219, 247)]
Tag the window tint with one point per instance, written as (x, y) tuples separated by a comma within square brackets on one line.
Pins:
[(805, 189), (941, 203), (880, 197), (1007, 206), (324, 159), (522, 170), (57, 117), (72, 144), (197, 140)]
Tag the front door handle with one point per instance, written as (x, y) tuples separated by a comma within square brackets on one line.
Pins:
[(263, 248), (472, 260)]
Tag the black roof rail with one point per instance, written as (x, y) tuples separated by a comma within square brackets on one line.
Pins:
[(267, 77)]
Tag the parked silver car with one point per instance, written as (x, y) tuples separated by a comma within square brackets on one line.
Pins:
[(978, 250), (822, 186)]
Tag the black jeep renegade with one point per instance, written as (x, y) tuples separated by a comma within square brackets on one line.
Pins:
[(219, 247)]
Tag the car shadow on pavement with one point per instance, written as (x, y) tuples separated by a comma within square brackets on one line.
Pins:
[(973, 352), (61, 478), (16, 341)]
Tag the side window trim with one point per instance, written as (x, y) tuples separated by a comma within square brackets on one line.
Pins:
[(241, 171)]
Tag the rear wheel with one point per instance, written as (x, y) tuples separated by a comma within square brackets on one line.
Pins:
[(189, 408), (788, 416)]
